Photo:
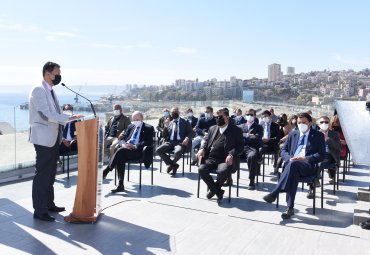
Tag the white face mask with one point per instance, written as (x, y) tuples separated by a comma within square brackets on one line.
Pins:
[(249, 118), (190, 114), (303, 127), (116, 112), (266, 119), (324, 126), (137, 123)]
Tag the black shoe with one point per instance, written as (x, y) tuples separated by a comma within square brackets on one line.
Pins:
[(194, 163), (44, 217), (310, 194), (56, 209), (251, 186), (220, 196), (365, 225), (210, 194), (169, 169), (270, 197), (120, 188), (105, 172), (287, 214), (228, 182), (174, 169)]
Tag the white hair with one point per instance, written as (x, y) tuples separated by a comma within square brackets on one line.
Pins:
[(138, 113)]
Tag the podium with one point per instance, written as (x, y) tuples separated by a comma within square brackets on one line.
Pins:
[(86, 207)]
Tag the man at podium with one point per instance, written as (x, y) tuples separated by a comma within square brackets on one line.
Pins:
[(137, 136), (45, 133)]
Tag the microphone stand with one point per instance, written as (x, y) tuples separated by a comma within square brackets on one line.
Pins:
[(91, 105)]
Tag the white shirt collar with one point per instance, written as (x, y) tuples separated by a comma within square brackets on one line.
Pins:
[(306, 134), (222, 129), (47, 85)]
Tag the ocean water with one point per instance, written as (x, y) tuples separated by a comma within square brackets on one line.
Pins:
[(11, 97)]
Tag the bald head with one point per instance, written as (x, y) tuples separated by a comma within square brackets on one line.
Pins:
[(137, 116)]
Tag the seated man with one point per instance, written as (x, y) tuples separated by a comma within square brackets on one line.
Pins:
[(69, 140), (302, 150), (177, 134), (271, 135), (160, 126), (192, 120), (252, 133), (137, 136), (114, 127), (222, 146), (332, 141), (239, 119), (201, 129)]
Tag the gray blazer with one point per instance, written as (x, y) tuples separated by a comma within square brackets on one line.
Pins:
[(44, 116)]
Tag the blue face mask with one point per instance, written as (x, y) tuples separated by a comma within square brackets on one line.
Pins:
[(166, 114)]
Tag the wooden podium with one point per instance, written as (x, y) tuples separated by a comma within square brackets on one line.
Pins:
[(85, 209)]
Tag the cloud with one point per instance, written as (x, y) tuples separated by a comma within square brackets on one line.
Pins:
[(59, 36), (185, 51), (19, 27)]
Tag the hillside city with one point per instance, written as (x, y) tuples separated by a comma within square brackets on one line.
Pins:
[(315, 88)]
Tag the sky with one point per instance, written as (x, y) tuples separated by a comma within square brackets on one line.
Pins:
[(116, 42)]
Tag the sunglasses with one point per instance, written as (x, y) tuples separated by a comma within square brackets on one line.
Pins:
[(249, 114), (322, 122)]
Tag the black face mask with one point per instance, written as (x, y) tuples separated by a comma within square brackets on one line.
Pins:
[(57, 79), (220, 121), (174, 115)]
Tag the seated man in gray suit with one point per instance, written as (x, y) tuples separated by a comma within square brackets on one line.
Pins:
[(177, 134), (45, 133)]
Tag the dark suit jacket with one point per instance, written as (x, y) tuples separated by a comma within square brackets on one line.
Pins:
[(145, 139), (184, 130), (203, 125), (254, 138), (315, 147), (274, 136), (194, 121), (72, 129), (233, 144), (123, 123), (334, 145), (239, 121)]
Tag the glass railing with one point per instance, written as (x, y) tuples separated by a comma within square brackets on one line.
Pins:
[(16, 152)]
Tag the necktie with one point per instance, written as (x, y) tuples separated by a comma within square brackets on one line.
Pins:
[(175, 131), (300, 146), (134, 136), (55, 101)]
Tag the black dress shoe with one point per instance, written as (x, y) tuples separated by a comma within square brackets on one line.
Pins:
[(287, 214), (174, 169), (365, 225), (56, 209), (251, 187), (169, 169), (105, 172), (210, 194), (120, 188), (44, 217), (220, 196), (228, 182), (270, 197), (310, 194)]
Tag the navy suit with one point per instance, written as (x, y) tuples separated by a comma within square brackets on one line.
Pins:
[(296, 169), (73, 146), (122, 155), (175, 145), (239, 121)]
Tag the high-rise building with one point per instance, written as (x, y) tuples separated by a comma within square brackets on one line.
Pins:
[(274, 72), (290, 70)]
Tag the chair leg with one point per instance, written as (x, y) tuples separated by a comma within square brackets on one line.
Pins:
[(183, 164), (302, 186), (198, 185), (334, 182), (237, 182), (314, 198), (263, 169), (63, 164), (160, 166), (190, 153), (277, 200), (128, 172), (322, 189), (115, 176), (140, 177), (230, 188), (68, 166), (337, 178), (152, 173)]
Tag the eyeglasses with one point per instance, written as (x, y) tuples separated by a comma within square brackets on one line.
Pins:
[(322, 122), (249, 114)]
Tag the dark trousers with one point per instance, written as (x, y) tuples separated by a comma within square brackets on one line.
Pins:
[(165, 148), (119, 159), (214, 166), (251, 155), (64, 149), (289, 179), (43, 181)]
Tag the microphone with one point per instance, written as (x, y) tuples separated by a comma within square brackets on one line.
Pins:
[(91, 105)]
